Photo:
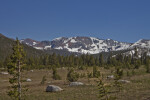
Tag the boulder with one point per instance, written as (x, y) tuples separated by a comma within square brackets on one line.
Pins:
[(31, 70), (53, 88), (76, 83), (110, 77), (123, 81), (28, 80), (4, 73)]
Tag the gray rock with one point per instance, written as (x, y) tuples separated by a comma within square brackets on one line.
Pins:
[(110, 77), (4, 80), (76, 83), (4, 73), (49, 82), (124, 81), (28, 80), (53, 88), (31, 70)]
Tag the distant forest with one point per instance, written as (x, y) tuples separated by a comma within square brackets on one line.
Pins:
[(52, 60)]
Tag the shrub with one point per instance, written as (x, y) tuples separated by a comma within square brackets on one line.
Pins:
[(55, 75), (72, 76), (82, 75), (43, 79), (147, 69), (96, 73), (133, 72), (119, 73), (81, 68), (89, 75), (128, 74)]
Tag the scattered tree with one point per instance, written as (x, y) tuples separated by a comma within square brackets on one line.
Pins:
[(102, 90), (72, 76), (118, 76), (96, 73), (147, 66), (55, 75), (14, 69)]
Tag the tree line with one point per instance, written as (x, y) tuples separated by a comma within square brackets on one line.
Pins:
[(53, 60)]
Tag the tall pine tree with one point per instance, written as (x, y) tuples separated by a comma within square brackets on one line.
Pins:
[(14, 69)]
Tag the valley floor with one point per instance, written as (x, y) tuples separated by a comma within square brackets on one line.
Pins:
[(137, 89)]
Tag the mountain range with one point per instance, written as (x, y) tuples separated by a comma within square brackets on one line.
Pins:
[(84, 45), (74, 45)]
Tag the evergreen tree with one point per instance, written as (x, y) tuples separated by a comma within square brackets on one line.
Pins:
[(103, 92), (147, 66), (55, 75), (144, 57), (136, 52), (137, 64), (6, 61), (45, 60), (1, 64), (109, 59), (97, 61), (72, 76), (101, 60), (14, 69), (54, 60), (92, 61), (96, 73), (76, 61), (118, 76), (30, 61)]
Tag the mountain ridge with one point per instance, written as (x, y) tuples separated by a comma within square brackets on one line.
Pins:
[(84, 45)]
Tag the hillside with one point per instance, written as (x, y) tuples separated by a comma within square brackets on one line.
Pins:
[(6, 45)]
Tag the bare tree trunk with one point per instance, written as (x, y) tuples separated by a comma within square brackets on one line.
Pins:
[(19, 80)]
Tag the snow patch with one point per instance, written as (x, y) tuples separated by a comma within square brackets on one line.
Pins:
[(40, 48), (57, 38), (58, 48), (46, 47), (73, 41), (34, 43)]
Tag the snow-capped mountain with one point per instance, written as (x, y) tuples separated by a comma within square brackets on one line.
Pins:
[(142, 46), (142, 43), (82, 45)]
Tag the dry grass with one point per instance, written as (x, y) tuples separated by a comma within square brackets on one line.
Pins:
[(138, 89)]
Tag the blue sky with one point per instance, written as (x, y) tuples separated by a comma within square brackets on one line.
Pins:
[(122, 20)]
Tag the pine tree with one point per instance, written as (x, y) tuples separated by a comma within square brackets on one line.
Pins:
[(96, 73), (97, 61), (147, 66), (45, 60), (92, 61), (136, 52), (101, 60), (55, 75), (14, 69), (72, 76), (118, 76), (103, 93)]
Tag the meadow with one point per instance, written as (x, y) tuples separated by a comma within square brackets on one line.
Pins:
[(137, 89)]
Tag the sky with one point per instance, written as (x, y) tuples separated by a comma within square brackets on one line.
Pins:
[(122, 20)]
